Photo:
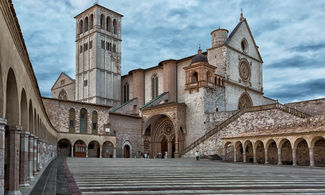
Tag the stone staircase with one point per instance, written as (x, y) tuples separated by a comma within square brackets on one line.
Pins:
[(224, 124)]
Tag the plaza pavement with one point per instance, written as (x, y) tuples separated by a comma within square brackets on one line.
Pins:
[(187, 176)]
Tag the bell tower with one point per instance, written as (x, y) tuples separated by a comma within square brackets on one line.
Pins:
[(98, 56)]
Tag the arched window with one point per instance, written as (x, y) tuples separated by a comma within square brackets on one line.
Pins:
[(114, 26), (83, 120), (245, 101), (108, 24), (63, 95), (125, 92), (72, 116), (94, 122), (86, 24), (102, 22), (154, 86), (114, 47), (81, 26), (194, 77), (91, 21)]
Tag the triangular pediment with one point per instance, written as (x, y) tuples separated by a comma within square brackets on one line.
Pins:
[(62, 80)]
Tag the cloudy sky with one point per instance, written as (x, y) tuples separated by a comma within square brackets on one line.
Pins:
[(290, 35)]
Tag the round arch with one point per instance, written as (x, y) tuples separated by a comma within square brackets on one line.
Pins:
[(12, 103), (80, 149), (239, 151), (64, 147), (249, 151), (23, 110), (272, 152), (94, 149), (108, 150), (30, 117), (229, 152), (318, 143), (286, 152), (259, 152), (302, 152)]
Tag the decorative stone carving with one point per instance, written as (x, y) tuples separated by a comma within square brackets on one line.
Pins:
[(244, 70)]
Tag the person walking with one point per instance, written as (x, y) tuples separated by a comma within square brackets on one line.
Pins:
[(197, 155)]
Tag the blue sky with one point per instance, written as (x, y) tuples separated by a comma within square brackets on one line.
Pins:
[(290, 35)]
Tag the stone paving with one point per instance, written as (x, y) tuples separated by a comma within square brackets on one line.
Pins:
[(187, 176)]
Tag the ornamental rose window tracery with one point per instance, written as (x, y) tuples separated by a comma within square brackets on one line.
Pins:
[(244, 70)]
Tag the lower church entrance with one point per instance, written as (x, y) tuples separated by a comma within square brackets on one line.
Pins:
[(164, 147), (126, 151)]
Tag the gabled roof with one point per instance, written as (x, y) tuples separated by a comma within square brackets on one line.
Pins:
[(62, 73), (250, 33)]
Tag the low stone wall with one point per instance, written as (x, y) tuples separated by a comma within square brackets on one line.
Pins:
[(249, 121)]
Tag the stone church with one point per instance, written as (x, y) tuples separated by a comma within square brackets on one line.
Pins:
[(211, 102), (165, 109)]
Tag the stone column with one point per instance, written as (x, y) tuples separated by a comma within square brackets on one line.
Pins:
[(279, 156), (294, 158), (100, 151), (176, 154), (3, 123), (31, 156), (14, 152), (266, 157), (71, 151), (254, 155), (38, 154), (311, 156), (114, 152), (224, 154), (35, 156), (86, 152), (244, 156), (24, 162), (170, 151), (235, 154)]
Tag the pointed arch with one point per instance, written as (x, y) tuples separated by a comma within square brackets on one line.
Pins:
[(83, 120), (86, 24), (72, 117), (154, 86), (94, 122), (63, 95)]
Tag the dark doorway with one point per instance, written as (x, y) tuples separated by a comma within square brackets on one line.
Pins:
[(127, 151), (164, 146)]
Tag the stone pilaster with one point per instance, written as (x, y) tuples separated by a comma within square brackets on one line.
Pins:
[(254, 155), (100, 151), (23, 165), (3, 123), (31, 156), (114, 152), (244, 156), (35, 156), (13, 166), (71, 151), (170, 145), (38, 166), (235, 154)]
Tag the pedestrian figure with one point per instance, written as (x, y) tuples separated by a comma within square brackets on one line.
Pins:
[(197, 155)]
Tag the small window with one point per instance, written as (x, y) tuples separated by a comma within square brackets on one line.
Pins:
[(103, 44), (114, 47), (94, 126), (90, 44), (80, 50), (86, 47), (244, 45), (107, 45), (62, 82), (71, 124), (85, 83)]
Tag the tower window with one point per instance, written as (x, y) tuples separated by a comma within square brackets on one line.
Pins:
[(194, 77), (80, 27), (86, 24), (90, 44), (91, 21), (114, 26), (244, 45), (102, 23), (85, 46), (85, 83), (108, 24), (103, 44), (107, 45), (114, 47), (80, 50)]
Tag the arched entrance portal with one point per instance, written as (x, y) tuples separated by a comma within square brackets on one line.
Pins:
[(126, 151), (94, 149), (80, 149), (64, 147)]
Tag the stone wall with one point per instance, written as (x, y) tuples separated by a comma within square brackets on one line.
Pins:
[(127, 129), (312, 107), (249, 121), (58, 112)]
